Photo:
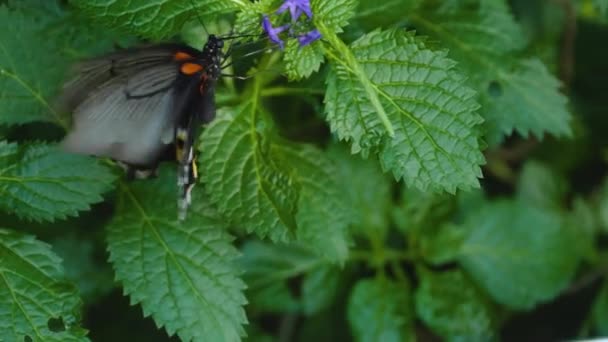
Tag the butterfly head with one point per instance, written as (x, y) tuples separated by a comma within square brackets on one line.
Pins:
[(213, 55)]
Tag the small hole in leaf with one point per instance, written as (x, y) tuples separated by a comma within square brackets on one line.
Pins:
[(494, 89), (56, 324), (27, 339)]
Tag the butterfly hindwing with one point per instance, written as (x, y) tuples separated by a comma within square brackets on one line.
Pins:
[(133, 129)]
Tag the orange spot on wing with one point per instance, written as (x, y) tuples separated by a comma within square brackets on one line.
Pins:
[(190, 68), (180, 56)]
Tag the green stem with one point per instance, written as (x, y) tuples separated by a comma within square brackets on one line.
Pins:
[(284, 91), (341, 54)]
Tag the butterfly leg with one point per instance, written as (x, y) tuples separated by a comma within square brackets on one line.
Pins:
[(138, 172)]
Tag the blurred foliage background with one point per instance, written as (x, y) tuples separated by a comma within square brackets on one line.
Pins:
[(525, 257)]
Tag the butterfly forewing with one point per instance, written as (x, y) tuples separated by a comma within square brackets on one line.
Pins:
[(133, 105)]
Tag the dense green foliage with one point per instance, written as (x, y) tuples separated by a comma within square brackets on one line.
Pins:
[(426, 168)]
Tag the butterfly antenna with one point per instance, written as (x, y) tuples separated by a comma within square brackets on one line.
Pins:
[(251, 75), (237, 36), (249, 54), (200, 20)]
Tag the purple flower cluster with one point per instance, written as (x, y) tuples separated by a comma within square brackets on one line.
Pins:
[(296, 9)]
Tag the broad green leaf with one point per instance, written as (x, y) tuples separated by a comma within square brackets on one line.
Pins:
[(302, 61), (520, 254), (273, 187), (156, 19), (319, 289), (268, 267), (373, 14), (182, 273), (528, 101), (367, 187), (381, 310), (583, 220), (249, 19), (420, 212), (266, 263), (74, 37), (540, 186), (41, 183), (516, 95), (334, 14), (394, 97), (273, 298), (323, 214), (451, 305), (600, 311), (441, 245), (249, 184), (28, 82), (36, 302)]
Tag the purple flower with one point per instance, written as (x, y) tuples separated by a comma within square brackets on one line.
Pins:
[(296, 8), (309, 37), (273, 32)]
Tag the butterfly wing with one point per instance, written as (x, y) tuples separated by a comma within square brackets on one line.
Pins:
[(91, 74), (131, 105), (124, 105)]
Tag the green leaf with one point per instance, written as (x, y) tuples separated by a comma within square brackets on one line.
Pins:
[(368, 189), (249, 19), (451, 305), (34, 296), (422, 212), (535, 105), (538, 185), (155, 20), (394, 97), (266, 263), (516, 95), (334, 14), (41, 183), (249, 184), (273, 298), (319, 289), (374, 14), (381, 310), (27, 82), (273, 187), (520, 254), (583, 220), (302, 61), (323, 214), (440, 246), (182, 273), (268, 267)]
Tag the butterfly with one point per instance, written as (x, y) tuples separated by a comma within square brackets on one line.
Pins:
[(143, 105)]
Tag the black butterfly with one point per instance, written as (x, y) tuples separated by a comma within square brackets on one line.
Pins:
[(139, 105)]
